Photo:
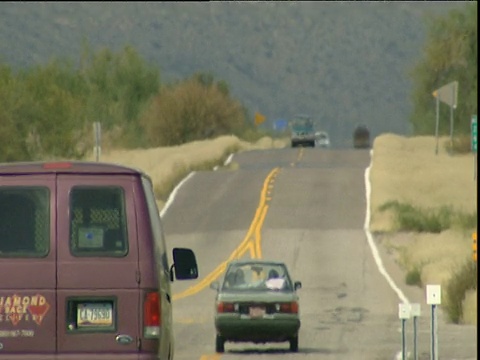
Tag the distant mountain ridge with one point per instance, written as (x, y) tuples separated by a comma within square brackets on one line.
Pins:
[(344, 63)]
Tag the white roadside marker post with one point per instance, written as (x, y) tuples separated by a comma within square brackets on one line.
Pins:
[(434, 298), (403, 315), (415, 312)]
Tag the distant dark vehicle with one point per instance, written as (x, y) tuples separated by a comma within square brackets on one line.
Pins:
[(361, 137), (302, 131)]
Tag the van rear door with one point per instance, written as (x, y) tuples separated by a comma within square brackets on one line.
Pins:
[(98, 299), (27, 265)]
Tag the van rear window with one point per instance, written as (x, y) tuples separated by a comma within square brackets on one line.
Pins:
[(24, 221), (98, 222)]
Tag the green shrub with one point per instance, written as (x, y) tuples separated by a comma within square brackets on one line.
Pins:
[(466, 221), (414, 277), (462, 280), (410, 218), (461, 144)]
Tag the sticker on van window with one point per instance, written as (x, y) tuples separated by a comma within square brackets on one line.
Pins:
[(17, 308), (90, 237)]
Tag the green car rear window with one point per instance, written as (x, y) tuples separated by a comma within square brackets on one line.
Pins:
[(98, 225), (257, 277), (24, 221)]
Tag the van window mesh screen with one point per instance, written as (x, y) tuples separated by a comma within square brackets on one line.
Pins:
[(98, 222), (24, 221)]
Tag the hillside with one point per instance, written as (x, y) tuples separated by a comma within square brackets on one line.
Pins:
[(342, 62)]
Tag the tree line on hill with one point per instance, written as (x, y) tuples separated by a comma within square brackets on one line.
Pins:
[(47, 111)]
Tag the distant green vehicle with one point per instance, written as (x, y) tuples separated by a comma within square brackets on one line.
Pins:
[(302, 131), (257, 302)]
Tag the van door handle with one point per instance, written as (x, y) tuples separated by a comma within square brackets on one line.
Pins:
[(168, 297)]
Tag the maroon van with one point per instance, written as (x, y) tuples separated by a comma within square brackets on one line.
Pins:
[(84, 272)]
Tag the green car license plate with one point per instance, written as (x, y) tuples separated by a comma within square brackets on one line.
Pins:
[(94, 315), (256, 311)]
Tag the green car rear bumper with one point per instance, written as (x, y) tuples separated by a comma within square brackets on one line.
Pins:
[(260, 330)]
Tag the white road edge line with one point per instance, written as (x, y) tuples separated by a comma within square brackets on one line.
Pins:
[(373, 247), (371, 241), (171, 197), (173, 193)]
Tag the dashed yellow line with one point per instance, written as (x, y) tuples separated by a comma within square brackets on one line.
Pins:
[(299, 157)]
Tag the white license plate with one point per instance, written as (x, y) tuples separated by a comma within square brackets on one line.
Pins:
[(256, 311), (94, 314)]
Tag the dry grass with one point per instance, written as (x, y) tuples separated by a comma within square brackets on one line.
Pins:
[(163, 164), (409, 171), (470, 308)]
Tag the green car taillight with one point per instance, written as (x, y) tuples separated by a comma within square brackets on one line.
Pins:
[(226, 307), (288, 308)]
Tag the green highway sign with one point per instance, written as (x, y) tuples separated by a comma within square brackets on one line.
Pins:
[(474, 133)]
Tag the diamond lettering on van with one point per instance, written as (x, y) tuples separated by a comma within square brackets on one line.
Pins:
[(16, 308), (11, 307), (38, 307)]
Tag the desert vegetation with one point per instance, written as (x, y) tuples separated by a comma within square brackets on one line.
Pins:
[(49, 112), (424, 207)]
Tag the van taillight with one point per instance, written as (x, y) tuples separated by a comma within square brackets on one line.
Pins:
[(152, 317)]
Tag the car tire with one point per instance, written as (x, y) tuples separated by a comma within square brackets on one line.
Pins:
[(294, 344), (219, 344)]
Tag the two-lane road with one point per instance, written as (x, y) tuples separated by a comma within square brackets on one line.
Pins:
[(306, 207)]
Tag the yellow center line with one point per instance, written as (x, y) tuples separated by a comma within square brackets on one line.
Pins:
[(258, 235), (210, 357), (252, 242)]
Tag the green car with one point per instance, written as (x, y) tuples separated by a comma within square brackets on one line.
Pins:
[(257, 302)]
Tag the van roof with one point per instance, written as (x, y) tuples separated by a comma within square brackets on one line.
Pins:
[(66, 167)]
